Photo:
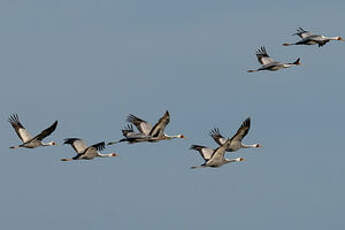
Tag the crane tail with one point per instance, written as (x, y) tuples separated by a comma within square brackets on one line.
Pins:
[(116, 142), (113, 142), (66, 159), (252, 70), (197, 167)]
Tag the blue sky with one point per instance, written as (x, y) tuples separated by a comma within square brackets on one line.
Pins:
[(89, 64)]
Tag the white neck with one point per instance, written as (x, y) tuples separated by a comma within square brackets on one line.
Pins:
[(228, 161), (47, 144), (331, 38), (171, 137), (231, 160), (105, 155), (248, 146)]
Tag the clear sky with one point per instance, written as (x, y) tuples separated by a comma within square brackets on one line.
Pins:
[(89, 64)]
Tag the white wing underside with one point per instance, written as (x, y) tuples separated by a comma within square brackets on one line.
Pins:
[(222, 140), (145, 128), (305, 35), (207, 153), (79, 146), (266, 60), (24, 135)]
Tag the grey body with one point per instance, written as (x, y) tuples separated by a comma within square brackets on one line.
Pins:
[(85, 152), (269, 64), (214, 158), (308, 38)]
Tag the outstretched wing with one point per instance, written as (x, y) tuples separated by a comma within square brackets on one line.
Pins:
[(242, 131), (302, 33), (143, 126), (78, 144), (262, 56), (158, 128), (92, 151), (22, 133), (46, 132), (205, 152), (217, 137), (218, 154)]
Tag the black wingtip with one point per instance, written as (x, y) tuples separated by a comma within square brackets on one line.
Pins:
[(13, 118), (261, 52), (99, 146), (195, 147), (132, 118), (297, 62), (55, 124), (127, 127), (192, 147), (214, 131), (70, 140), (112, 143), (67, 140), (246, 122)]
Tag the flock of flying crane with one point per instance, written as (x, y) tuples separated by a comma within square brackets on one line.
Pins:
[(148, 133)]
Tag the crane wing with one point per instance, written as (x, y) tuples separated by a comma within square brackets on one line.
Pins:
[(218, 154), (22, 133), (143, 126), (242, 131), (78, 144), (217, 137), (158, 128), (205, 152), (262, 56), (91, 152), (127, 130), (46, 132), (302, 33)]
